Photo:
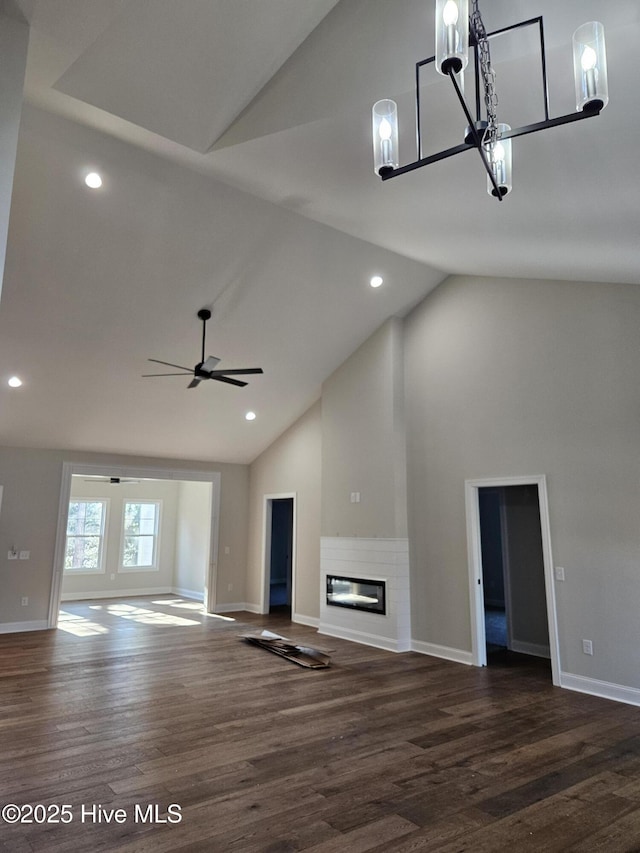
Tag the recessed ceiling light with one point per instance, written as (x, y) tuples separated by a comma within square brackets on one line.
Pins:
[(376, 281), (250, 416), (15, 382), (93, 180)]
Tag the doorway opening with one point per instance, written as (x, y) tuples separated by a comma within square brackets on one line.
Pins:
[(126, 531), (510, 571), (279, 554)]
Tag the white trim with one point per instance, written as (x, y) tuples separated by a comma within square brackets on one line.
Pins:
[(136, 472), (604, 689), (266, 548), (444, 652), (311, 621), (90, 595), (20, 627), (472, 487), (188, 593), (238, 607), (365, 639)]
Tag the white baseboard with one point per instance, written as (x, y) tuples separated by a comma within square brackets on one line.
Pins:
[(300, 619), (374, 640), (456, 655), (120, 593), (20, 627), (604, 689), (534, 649), (196, 595), (237, 607)]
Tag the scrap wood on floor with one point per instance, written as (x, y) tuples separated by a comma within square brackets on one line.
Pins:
[(302, 655)]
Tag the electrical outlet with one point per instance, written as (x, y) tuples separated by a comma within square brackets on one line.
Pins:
[(355, 497), (24, 555), (12, 555), (229, 587), (113, 577), (587, 647), (25, 601), (227, 550), (559, 573)]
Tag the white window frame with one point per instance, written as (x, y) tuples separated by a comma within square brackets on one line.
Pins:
[(155, 566), (103, 536)]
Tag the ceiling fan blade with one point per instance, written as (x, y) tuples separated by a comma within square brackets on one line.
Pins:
[(230, 381), (210, 363), (194, 383), (151, 375), (169, 364), (214, 373)]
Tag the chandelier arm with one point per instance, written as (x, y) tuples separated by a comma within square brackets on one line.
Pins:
[(543, 55), (547, 123), (476, 135), (425, 161), (510, 134)]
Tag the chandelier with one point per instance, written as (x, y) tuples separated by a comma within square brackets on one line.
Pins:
[(457, 33)]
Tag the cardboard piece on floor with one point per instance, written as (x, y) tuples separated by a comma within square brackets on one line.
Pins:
[(302, 655)]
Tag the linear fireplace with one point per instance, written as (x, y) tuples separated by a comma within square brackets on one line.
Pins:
[(356, 594)]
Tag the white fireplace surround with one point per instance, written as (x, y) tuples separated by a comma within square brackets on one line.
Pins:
[(368, 559)]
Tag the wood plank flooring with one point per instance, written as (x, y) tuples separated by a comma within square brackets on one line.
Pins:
[(149, 702)]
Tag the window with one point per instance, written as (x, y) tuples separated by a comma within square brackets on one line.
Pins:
[(140, 535), (84, 551)]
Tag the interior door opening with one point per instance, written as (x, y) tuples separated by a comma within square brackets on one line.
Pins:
[(136, 536), (281, 552), (511, 572), (126, 537)]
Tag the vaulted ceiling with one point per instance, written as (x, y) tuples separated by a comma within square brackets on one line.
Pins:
[(233, 137)]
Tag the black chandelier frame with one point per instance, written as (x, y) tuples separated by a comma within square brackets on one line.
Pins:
[(475, 128)]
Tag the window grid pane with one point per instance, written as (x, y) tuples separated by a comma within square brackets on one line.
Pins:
[(140, 534), (85, 531)]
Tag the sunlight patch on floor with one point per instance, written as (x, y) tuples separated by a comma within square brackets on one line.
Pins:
[(182, 604), (79, 625), (195, 606), (147, 617)]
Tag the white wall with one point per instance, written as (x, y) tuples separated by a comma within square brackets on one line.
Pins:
[(291, 464), (193, 537), (14, 40), (512, 377), (113, 581), (363, 442)]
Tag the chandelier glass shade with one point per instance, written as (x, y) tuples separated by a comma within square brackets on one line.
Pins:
[(461, 41), (385, 135), (590, 67), (452, 35)]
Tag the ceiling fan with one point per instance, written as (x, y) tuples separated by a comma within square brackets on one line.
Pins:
[(114, 481), (206, 368)]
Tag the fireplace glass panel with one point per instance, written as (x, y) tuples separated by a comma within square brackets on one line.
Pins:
[(356, 594)]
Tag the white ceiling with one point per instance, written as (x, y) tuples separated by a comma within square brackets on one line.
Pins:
[(234, 141)]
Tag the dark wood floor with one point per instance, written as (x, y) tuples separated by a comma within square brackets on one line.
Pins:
[(146, 703)]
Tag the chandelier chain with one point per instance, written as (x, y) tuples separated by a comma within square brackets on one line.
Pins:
[(488, 74)]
